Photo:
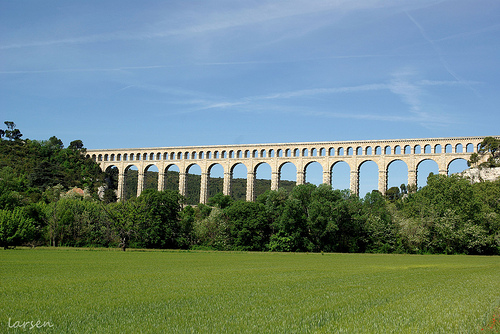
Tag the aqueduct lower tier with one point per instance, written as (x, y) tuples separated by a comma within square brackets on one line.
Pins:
[(383, 152)]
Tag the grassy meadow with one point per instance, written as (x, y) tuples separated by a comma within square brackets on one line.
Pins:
[(109, 291)]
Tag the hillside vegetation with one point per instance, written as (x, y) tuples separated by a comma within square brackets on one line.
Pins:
[(38, 207)]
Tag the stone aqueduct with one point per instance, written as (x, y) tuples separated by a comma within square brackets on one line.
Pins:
[(383, 152)]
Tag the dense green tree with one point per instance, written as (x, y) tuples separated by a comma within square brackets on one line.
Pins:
[(159, 226), (15, 228), (12, 133), (220, 200), (248, 224)]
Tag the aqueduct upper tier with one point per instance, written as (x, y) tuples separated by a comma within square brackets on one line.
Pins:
[(383, 152)]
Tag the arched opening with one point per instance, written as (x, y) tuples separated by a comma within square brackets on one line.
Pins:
[(459, 148), (193, 184), (437, 149), (397, 149), (331, 151), (469, 148), (215, 180), (424, 168), (387, 150), (427, 149), (111, 179), (341, 175), (131, 177), (457, 166), (171, 181), (369, 150), (368, 177), (314, 152), (359, 151), (378, 150), (397, 174), (239, 182), (407, 149), (288, 176), (314, 173), (340, 151), (417, 149), (151, 177), (448, 149), (263, 174), (350, 151)]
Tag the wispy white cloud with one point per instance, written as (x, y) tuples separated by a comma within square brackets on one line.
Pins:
[(97, 69), (438, 52), (205, 20)]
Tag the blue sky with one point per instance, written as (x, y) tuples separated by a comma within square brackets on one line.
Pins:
[(120, 73)]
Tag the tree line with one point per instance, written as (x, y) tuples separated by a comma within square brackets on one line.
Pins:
[(38, 207)]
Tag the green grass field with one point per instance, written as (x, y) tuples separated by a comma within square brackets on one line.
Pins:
[(108, 291)]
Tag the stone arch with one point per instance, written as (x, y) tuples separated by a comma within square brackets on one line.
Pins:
[(397, 173), (171, 177), (193, 183), (368, 150), (239, 172), (341, 173), (131, 177), (459, 148), (424, 167), (448, 148), (313, 172), (263, 174), (350, 151), (359, 150), (151, 176), (456, 165), (112, 178), (438, 149), (287, 175), (378, 150), (387, 150), (368, 173), (417, 149), (215, 180), (397, 149)]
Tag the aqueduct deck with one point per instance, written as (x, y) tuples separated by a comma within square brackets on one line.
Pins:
[(383, 152)]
